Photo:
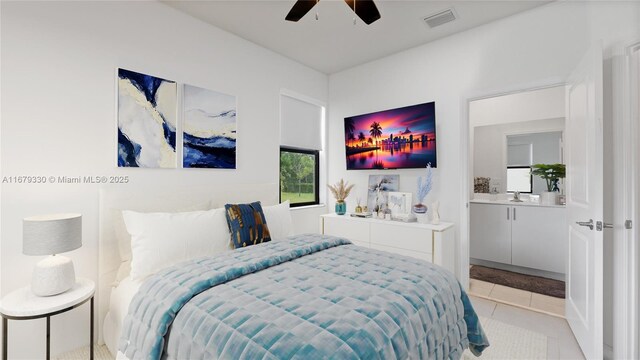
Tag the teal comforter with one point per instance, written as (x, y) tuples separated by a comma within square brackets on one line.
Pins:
[(307, 297)]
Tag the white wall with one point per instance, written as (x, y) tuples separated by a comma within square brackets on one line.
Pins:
[(547, 103), (541, 45), (59, 63), (489, 151), (537, 47)]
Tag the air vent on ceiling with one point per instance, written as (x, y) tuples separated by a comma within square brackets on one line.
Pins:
[(440, 18)]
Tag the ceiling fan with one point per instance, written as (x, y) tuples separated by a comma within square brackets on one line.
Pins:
[(365, 9)]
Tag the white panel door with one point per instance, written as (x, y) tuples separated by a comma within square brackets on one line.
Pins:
[(584, 184)]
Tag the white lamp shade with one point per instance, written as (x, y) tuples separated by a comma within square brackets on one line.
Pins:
[(51, 234)]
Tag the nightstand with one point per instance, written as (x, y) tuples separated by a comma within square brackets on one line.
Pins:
[(22, 304)]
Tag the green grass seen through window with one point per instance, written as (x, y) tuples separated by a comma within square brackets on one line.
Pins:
[(298, 176), (298, 198)]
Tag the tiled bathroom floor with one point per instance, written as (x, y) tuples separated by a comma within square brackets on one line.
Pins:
[(516, 297)]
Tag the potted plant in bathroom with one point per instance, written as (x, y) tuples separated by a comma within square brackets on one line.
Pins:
[(340, 192), (551, 173)]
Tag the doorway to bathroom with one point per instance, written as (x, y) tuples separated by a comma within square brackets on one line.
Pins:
[(517, 216)]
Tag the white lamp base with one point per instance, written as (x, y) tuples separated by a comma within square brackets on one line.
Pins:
[(52, 276)]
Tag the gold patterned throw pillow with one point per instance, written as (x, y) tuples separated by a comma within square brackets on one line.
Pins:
[(247, 224)]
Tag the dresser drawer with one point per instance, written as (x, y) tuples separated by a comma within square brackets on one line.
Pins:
[(414, 254), (427, 242), (401, 236), (356, 231)]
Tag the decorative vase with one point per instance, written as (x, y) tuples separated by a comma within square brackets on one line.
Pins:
[(422, 218), (419, 208), (549, 198), (341, 207), (387, 212), (435, 215)]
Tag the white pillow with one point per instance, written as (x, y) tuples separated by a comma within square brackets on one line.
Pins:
[(278, 220), (123, 237), (159, 240)]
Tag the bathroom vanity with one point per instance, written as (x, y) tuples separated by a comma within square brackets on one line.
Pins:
[(519, 235)]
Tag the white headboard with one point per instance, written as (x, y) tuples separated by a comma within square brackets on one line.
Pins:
[(114, 199)]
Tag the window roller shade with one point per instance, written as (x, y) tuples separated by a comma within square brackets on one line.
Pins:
[(300, 124)]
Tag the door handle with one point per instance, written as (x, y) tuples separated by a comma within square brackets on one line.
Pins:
[(600, 225), (508, 213), (588, 224), (514, 214)]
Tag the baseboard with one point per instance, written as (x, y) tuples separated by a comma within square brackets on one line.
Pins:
[(608, 352)]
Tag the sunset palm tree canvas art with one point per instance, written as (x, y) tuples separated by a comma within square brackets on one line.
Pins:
[(392, 139)]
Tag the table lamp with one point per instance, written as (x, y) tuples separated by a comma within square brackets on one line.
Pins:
[(52, 235)]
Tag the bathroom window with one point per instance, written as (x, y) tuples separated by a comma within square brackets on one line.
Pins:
[(519, 179)]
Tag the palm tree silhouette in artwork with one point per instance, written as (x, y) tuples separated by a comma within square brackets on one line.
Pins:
[(376, 130), (349, 128), (351, 138), (361, 138)]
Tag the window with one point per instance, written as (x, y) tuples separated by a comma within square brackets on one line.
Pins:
[(301, 124), (519, 179), (299, 176)]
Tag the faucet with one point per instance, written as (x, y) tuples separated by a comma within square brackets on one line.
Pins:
[(516, 197)]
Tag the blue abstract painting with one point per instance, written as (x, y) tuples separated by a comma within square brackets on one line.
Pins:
[(209, 132), (147, 108)]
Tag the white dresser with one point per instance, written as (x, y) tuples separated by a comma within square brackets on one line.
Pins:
[(433, 243)]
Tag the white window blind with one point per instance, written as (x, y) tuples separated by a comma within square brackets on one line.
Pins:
[(519, 154), (300, 124)]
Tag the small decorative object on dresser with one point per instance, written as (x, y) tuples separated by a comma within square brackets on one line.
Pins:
[(399, 203), (379, 187), (435, 215), (52, 235), (358, 207), (424, 187), (551, 173), (340, 191)]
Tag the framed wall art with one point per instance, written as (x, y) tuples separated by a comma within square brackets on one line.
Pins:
[(209, 129), (146, 121)]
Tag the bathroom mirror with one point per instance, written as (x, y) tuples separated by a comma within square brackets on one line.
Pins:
[(512, 132)]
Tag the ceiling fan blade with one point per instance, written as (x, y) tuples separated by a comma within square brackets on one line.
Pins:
[(300, 9), (365, 9)]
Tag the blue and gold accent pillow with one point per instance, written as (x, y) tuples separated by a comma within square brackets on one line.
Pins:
[(247, 224)]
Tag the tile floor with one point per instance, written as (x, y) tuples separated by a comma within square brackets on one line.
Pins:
[(561, 344), (526, 299)]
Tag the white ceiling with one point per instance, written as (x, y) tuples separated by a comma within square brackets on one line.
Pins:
[(333, 43)]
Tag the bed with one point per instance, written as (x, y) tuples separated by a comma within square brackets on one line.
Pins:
[(298, 297)]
